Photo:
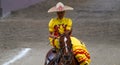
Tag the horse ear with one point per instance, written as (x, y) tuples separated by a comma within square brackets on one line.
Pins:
[(70, 32)]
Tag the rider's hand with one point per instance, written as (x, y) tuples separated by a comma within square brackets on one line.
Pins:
[(67, 32), (52, 36)]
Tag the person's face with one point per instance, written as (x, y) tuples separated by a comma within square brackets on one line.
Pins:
[(61, 14)]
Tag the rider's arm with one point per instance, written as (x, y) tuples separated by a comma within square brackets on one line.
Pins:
[(69, 26), (51, 28), (52, 35), (50, 25)]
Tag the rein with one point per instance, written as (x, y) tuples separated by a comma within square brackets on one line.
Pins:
[(66, 58)]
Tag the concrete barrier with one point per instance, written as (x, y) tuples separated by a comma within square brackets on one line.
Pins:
[(6, 6)]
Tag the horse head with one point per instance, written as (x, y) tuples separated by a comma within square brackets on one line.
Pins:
[(65, 48)]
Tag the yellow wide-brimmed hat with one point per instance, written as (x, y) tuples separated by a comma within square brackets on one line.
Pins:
[(59, 7)]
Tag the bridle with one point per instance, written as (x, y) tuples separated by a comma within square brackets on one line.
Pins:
[(67, 59)]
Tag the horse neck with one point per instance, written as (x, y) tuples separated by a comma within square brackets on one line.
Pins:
[(67, 44)]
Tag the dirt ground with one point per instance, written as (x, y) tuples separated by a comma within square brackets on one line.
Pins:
[(95, 22)]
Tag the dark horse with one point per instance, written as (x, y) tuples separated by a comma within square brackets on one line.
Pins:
[(64, 56)]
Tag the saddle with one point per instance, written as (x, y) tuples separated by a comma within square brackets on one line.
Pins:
[(53, 57)]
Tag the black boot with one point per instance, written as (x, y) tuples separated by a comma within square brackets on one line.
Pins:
[(54, 50)]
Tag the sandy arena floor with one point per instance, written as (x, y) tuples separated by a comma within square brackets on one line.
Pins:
[(95, 22)]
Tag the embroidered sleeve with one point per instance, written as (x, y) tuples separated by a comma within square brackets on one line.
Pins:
[(69, 24), (51, 29)]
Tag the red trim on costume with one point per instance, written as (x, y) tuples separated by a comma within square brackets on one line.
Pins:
[(78, 53), (53, 42), (82, 60), (64, 26), (81, 51), (56, 32)]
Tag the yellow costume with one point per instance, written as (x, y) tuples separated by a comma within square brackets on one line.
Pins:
[(59, 26)]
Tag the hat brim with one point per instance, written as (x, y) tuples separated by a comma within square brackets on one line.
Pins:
[(54, 9)]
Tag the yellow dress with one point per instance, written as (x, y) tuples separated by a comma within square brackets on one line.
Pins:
[(59, 26)]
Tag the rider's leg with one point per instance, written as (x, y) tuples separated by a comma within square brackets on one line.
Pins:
[(80, 52), (81, 55)]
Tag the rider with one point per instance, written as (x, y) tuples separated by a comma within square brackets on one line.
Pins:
[(61, 25)]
